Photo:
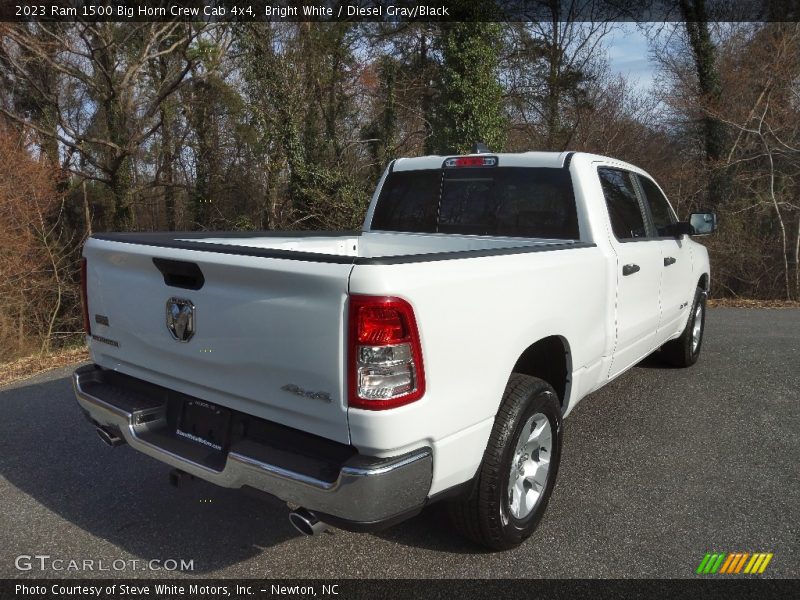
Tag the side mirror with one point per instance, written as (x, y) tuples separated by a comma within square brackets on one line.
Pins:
[(702, 223)]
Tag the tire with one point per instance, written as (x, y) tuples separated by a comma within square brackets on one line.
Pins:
[(489, 516), (685, 350)]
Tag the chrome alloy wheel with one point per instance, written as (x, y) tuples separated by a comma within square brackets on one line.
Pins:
[(530, 464), (697, 327)]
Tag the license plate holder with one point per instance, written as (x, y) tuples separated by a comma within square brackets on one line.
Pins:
[(205, 424)]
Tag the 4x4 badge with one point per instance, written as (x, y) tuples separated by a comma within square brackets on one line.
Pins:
[(180, 319)]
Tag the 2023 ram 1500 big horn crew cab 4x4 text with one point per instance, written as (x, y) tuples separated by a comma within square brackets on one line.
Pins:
[(432, 355)]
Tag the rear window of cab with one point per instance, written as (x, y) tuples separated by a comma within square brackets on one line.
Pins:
[(531, 202)]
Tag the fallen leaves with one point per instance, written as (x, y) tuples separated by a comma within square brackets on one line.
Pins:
[(29, 366)]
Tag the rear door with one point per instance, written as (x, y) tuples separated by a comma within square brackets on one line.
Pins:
[(263, 336), (639, 266), (677, 287)]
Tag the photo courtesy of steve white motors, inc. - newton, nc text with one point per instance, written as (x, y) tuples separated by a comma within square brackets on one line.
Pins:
[(399, 299)]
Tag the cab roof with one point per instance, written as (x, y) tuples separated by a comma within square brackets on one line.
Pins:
[(504, 159), (509, 159)]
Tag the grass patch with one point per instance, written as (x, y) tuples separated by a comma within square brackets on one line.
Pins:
[(746, 303)]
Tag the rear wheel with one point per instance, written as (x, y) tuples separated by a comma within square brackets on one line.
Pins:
[(685, 350), (519, 468)]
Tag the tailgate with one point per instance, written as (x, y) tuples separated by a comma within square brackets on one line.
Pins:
[(268, 332)]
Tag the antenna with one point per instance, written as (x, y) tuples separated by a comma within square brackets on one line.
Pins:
[(480, 148)]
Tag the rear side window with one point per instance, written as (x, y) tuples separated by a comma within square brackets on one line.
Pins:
[(501, 201), (660, 209), (624, 210), (408, 202)]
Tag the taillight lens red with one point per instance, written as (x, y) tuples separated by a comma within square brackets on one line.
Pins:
[(85, 298), (380, 325), (385, 355)]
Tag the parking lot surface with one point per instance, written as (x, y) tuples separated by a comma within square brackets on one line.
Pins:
[(659, 467)]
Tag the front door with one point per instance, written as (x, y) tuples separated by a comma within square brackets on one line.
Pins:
[(677, 289)]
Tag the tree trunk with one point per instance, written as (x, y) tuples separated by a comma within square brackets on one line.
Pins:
[(166, 168), (797, 261), (121, 188), (426, 102), (87, 215), (552, 118), (704, 52)]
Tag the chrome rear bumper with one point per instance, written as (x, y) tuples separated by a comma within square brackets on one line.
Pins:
[(366, 491)]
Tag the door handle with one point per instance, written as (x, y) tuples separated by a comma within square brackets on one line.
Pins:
[(630, 269), (670, 260)]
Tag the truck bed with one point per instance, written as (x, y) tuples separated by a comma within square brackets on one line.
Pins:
[(270, 338)]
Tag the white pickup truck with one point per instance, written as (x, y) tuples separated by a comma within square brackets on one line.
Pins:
[(360, 376)]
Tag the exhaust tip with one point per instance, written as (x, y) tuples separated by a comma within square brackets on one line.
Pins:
[(109, 438), (306, 522)]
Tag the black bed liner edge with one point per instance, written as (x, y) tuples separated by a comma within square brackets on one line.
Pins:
[(185, 241)]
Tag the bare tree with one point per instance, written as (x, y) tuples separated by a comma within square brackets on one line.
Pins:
[(765, 124), (35, 266), (105, 105), (551, 65)]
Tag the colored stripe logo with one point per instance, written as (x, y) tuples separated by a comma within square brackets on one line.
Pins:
[(733, 563)]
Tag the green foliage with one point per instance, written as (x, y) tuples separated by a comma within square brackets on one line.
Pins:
[(243, 223), (331, 200), (469, 106), (301, 85), (290, 125), (382, 131)]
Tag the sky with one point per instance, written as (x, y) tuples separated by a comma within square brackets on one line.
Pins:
[(629, 55)]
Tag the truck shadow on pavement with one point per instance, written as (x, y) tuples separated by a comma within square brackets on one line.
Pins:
[(50, 453), (654, 361)]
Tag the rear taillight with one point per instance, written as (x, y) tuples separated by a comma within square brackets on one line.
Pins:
[(85, 299), (385, 357)]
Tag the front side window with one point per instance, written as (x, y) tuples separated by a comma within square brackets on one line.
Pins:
[(624, 210), (660, 209)]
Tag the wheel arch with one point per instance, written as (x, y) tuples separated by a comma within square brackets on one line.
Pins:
[(704, 282), (549, 359)]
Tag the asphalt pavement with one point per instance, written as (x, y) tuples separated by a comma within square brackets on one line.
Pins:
[(659, 467)]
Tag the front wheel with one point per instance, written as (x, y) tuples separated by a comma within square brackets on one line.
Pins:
[(685, 350), (519, 468)]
